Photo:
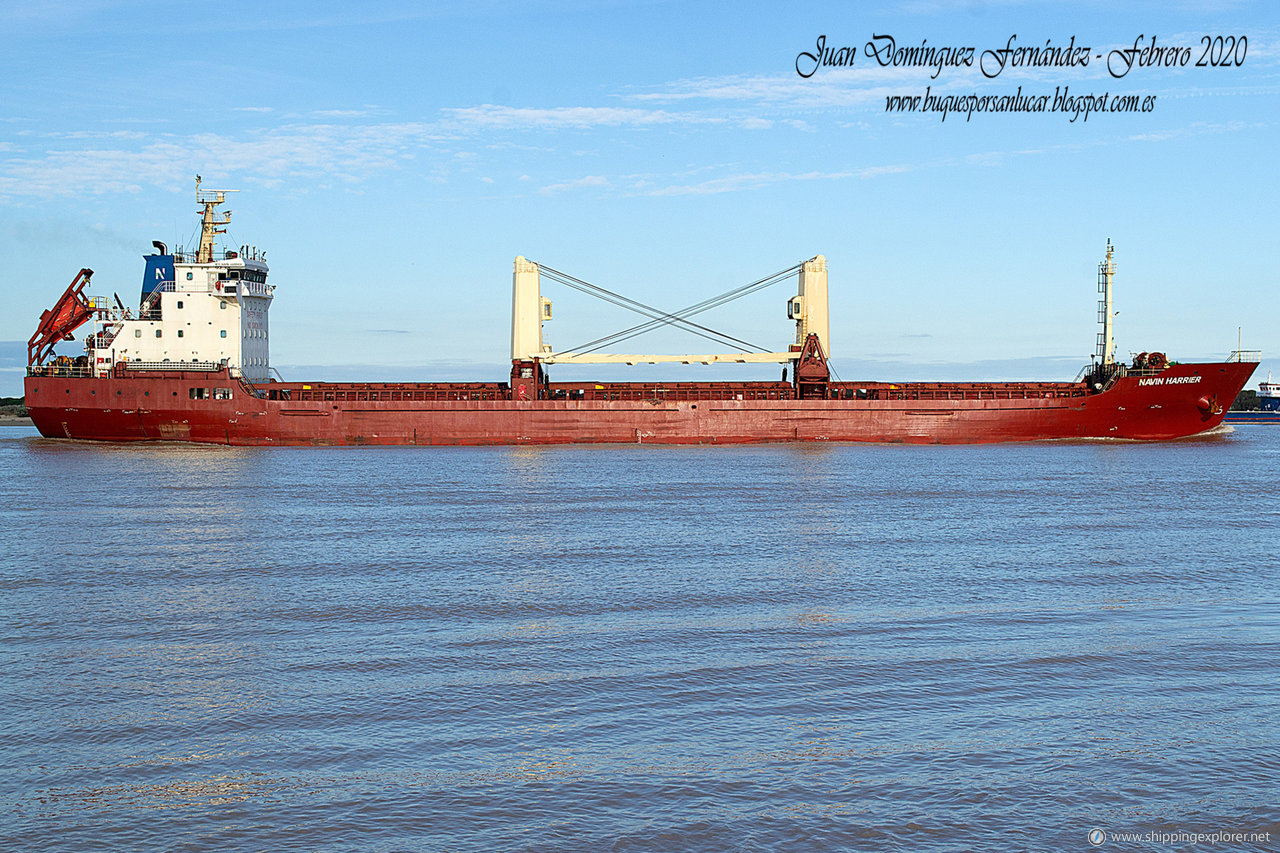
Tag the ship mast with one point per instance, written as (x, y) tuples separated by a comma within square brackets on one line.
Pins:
[(1106, 338), (209, 200)]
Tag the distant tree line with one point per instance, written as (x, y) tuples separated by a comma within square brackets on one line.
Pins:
[(1246, 401)]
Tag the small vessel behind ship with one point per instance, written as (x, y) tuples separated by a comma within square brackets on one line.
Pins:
[(192, 363), (1268, 411)]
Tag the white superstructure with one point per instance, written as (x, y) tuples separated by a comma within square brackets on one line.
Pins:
[(205, 307), (1269, 390)]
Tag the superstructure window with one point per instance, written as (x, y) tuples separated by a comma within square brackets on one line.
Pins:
[(157, 333), (137, 333), (179, 333), (199, 393), (222, 305), (179, 303), (223, 333)]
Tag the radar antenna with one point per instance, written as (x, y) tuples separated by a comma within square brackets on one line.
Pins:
[(208, 201)]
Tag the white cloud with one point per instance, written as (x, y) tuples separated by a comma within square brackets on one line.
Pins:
[(588, 181), (342, 152), (360, 113), (849, 87), (490, 116), (97, 134), (755, 180)]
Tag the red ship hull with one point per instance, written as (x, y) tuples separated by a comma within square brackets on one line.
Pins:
[(1178, 401)]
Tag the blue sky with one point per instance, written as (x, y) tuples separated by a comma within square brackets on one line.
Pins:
[(393, 158)]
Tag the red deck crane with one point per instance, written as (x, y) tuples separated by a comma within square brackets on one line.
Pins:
[(69, 313)]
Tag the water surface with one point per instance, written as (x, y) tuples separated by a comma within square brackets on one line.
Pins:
[(638, 648)]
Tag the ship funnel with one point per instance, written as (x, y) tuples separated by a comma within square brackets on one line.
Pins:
[(161, 248)]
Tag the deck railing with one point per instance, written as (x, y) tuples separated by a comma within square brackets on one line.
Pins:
[(425, 395), (959, 392), (191, 366), (60, 370)]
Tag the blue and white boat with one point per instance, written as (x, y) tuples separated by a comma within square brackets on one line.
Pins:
[(1268, 403)]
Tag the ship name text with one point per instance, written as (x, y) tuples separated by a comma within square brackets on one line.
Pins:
[(1169, 380)]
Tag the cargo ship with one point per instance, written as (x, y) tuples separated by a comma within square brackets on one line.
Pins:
[(192, 363)]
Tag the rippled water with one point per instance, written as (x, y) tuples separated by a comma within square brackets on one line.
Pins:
[(638, 648)]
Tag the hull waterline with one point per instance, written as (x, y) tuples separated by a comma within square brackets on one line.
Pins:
[(1179, 401)]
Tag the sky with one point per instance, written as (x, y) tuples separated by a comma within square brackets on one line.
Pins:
[(393, 159)]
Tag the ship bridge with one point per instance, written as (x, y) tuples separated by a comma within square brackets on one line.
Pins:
[(207, 307)]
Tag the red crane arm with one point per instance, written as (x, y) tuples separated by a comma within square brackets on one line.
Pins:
[(67, 314)]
